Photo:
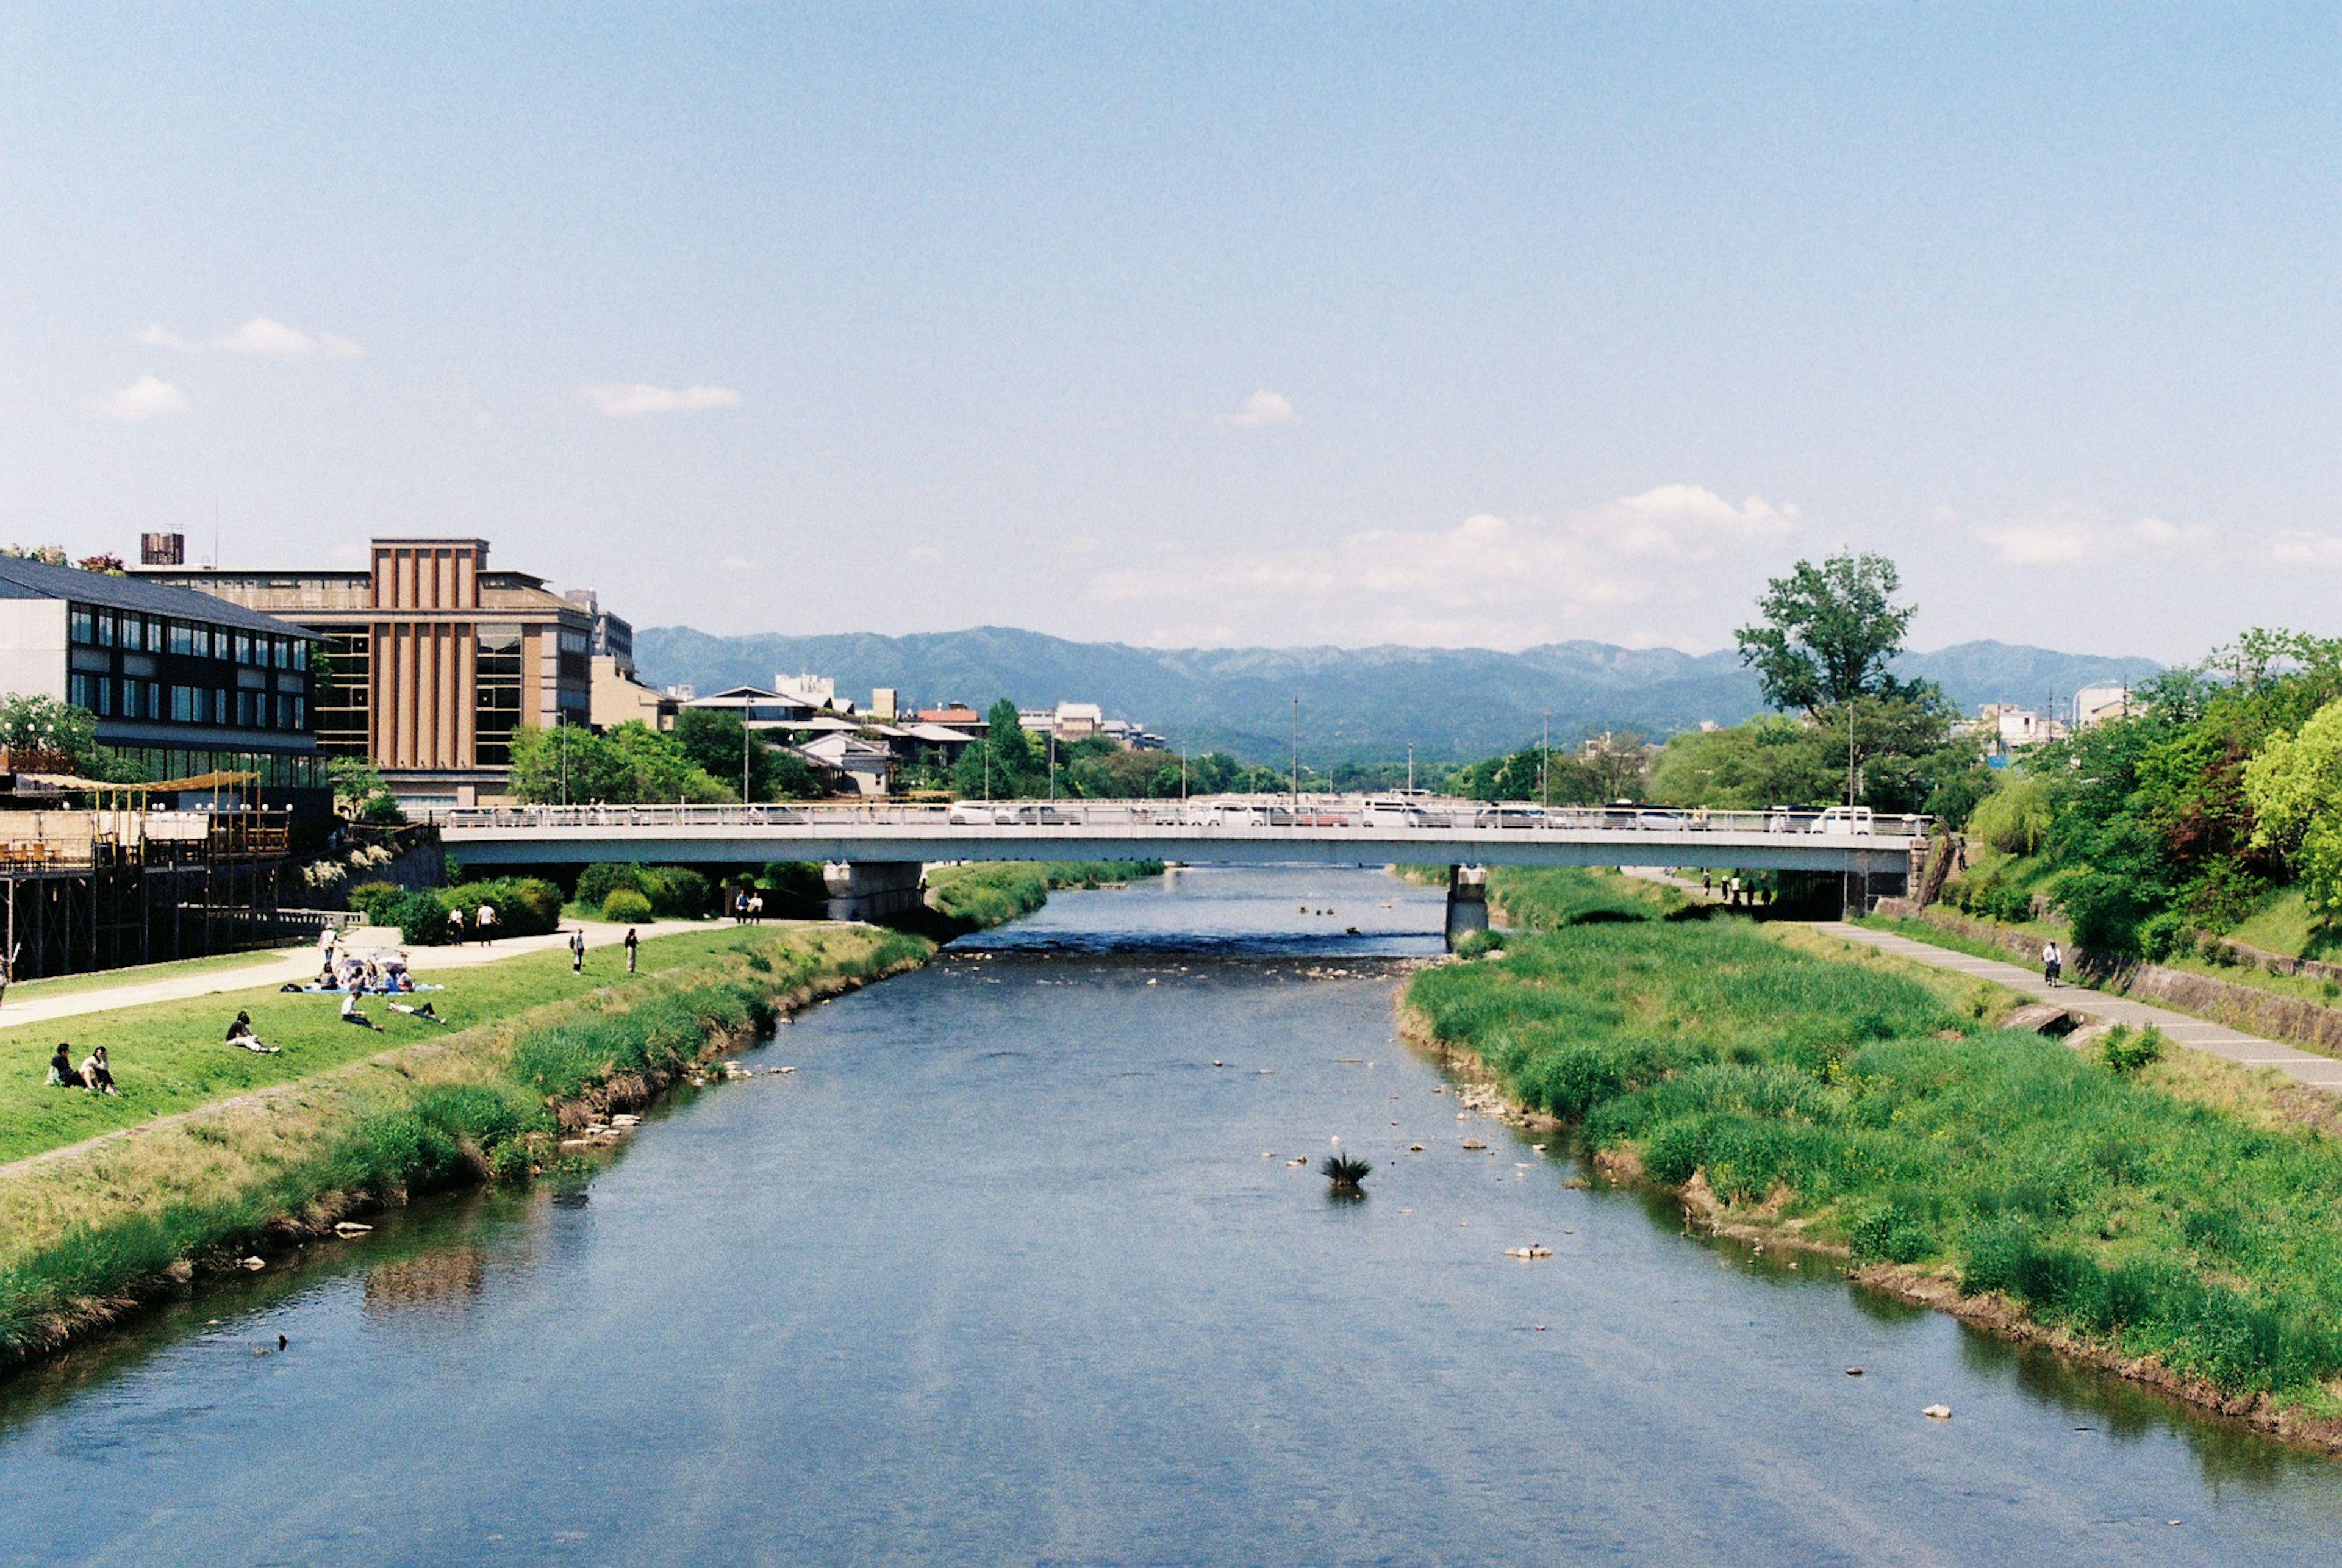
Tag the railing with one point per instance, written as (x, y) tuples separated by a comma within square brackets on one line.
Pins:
[(1193, 817)]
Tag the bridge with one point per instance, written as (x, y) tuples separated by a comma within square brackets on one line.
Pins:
[(873, 852)]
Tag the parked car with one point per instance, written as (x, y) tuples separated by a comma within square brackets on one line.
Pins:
[(1845, 819)]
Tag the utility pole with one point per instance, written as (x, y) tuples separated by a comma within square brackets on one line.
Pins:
[(1410, 767), (1849, 751), (1183, 772), (1053, 764), (744, 751), (1544, 766), (561, 720), (1296, 754)]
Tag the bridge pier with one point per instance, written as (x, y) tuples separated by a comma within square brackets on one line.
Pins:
[(1467, 902), (872, 889)]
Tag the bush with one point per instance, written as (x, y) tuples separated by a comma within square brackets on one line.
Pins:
[(2161, 935), (2126, 1051), (374, 899), (421, 918), (672, 891), (627, 907), (524, 906), (1480, 944)]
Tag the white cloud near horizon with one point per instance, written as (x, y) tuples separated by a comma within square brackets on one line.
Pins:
[(2300, 547), (1486, 581), (633, 399), (1261, 410), (2064, 534), (261, 338), (148, 397)]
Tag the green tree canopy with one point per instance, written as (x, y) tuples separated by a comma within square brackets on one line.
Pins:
[(629, 763), (1828, 633), (2295, 788)]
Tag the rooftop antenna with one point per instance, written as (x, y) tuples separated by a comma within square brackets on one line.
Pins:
[(216, 532)]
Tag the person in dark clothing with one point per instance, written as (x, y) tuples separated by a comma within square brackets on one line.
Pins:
[(97, 1074), (632, 942), (578, 951), (63, 1073), (240, 1033)]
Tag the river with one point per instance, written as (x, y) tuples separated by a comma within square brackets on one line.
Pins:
[(1009, 1271)]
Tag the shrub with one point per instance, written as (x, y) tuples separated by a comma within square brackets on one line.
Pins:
[(678, 893), (421, 918), (2126, 1051), (1480, 944), (525, 905), (626, 906), (370, 898), (2161, 935)]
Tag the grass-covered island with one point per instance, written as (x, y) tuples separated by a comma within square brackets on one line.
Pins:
[(2166, 1214), (983, 893)]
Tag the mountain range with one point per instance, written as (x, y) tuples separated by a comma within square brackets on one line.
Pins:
[(1357, 704)]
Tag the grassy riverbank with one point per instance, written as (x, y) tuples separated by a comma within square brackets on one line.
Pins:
[(87, 1232), (2171, 1217), (986, 894)]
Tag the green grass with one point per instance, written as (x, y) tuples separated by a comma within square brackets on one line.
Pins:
[(1936, 936), (171, 1056), (2287, 924), (1848, 1103), (986, 894), (1547, 898)]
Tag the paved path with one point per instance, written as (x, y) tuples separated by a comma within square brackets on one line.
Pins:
[(274, 968), (2250, 1050)]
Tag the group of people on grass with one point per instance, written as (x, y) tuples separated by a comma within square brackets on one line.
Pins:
[(94, 1074)]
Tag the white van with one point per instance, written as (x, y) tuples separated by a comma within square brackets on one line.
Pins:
[(1843, 820)]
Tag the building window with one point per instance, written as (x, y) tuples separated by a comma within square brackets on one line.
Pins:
[(495, 712), (345, 692), (300, 654), (182, 637), (81, 691), (82, 624), (183, 705)]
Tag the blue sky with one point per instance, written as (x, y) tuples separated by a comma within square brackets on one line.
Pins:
[(1352, 324)]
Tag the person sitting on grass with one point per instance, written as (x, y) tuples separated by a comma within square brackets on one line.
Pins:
[(240, 1033), (95, 1074), (62, 1072), (350, 1014)]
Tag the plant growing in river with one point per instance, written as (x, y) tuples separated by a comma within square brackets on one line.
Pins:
[(1345, 1171)]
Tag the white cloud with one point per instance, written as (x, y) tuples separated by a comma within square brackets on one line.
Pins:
[(2063, 535), (261, 338), (631, 399), (1635, 569), (1262, 409), (148, 397), (2299, 547)]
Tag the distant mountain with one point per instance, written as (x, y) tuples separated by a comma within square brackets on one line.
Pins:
[(1356, 704)]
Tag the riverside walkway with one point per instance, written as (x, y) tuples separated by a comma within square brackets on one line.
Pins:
[(2323, 1072), (26, 1005)]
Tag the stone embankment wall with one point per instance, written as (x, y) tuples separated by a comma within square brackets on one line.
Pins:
[(2257, 1011)]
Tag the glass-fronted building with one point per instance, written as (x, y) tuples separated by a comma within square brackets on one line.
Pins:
[(180, 683)]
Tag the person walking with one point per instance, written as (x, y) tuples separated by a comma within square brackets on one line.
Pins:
[(454, 934), (326, 940), (631, 945), (578, 951), (484, 922), (2052, 963), (756, 909)]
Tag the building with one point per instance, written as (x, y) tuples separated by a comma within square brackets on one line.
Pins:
[(612, 635), (430, 661), (760, 709), (2007, 729), (2097, 704), (181, 683), (620, 699)]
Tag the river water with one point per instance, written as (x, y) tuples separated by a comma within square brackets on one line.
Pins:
[(1009, 1271)]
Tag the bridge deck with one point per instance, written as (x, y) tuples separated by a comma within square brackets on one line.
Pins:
[(1162, 831)]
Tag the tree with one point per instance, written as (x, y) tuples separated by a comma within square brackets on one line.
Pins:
[(360, 794), (2294, 787), (1828, 635), (1004, 762), (29, 721), (630, 763)]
